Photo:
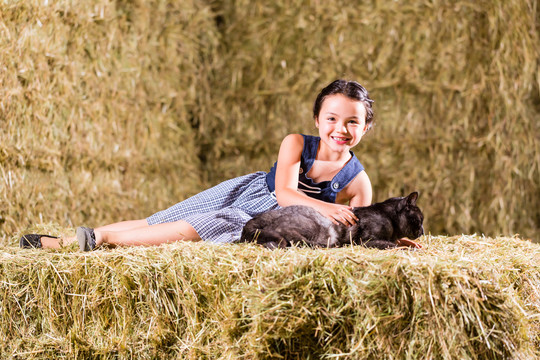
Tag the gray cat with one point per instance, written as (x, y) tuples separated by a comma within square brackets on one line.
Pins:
[(380, 225)]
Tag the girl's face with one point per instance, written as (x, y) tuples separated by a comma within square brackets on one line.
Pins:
[(341, 122)]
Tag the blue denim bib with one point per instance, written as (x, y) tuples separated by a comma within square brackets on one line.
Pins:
[(324, 190)]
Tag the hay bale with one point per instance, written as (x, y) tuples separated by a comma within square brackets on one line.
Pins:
[(96, 99), (460, 297), (164, 98), (456, 91)]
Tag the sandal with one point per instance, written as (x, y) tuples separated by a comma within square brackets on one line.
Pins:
[(86, 238), (32, 241)]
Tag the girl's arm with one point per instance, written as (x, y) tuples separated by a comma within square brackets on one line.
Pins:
[(288, 166), (359, 190)]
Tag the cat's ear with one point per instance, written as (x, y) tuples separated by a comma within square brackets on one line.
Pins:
[(411, 199)]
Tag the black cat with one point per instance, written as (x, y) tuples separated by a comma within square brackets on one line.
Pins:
[(380, 225)]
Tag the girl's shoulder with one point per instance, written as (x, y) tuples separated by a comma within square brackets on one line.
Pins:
[(301, 141), (305, 146), (293, 141), (302, 137), (297, 137), (291, 149)]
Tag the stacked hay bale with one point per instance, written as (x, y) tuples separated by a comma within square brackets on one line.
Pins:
[(113, 110), (97, 106), (464, 297), (456, 90)]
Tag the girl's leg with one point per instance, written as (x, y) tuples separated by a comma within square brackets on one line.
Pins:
[(53, 243), (124, 225), (153, 235)]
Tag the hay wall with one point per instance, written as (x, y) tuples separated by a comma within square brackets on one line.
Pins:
[(111, 110), (456, 86), (97, 108), (462, 297)]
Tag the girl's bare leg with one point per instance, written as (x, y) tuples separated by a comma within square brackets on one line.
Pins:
[(147, 235), (52, 243), (124, 225)]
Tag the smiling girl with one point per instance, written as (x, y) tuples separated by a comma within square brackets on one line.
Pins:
[(321, 172)]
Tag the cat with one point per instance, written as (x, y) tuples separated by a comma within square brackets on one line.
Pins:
[(380, 226)]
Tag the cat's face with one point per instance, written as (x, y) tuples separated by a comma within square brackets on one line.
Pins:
[(341, 123), (411, 222), (411, 218)]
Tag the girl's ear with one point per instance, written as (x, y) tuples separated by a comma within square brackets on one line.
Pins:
[(366, 128), (317, 122)]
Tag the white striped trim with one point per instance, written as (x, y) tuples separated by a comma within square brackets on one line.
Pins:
[(309, 191), (310, 187)]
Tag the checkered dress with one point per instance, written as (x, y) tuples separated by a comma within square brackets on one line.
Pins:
[(219, 213)]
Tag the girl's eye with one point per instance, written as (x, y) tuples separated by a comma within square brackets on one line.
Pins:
[(353, 122), (331, 119)]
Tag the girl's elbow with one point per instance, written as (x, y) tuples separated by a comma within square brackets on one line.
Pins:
[(281, 202), (282, 197)]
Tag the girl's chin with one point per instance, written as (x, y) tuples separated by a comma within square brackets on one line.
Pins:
[(340, 148)]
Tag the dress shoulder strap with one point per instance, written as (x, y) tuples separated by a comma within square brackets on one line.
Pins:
[(309, 152), (347, 174)]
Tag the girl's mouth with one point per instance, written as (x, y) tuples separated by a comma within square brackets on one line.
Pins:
[(340, 140)]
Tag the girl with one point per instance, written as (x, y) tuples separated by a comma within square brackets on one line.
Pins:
[(321, 172)]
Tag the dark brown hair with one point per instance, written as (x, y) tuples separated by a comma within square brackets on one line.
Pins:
[(350, 89)]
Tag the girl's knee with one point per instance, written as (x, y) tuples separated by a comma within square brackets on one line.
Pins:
[(187, 231)]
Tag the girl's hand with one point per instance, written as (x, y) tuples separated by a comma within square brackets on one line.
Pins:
[(409, 243), (338, 214)]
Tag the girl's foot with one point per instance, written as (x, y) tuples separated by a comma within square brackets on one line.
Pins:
[(36, 241), (33, 241)]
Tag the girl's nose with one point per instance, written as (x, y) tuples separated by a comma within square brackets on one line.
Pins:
[(342, 127)]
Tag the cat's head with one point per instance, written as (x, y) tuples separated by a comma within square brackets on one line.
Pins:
[(410, 217)]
